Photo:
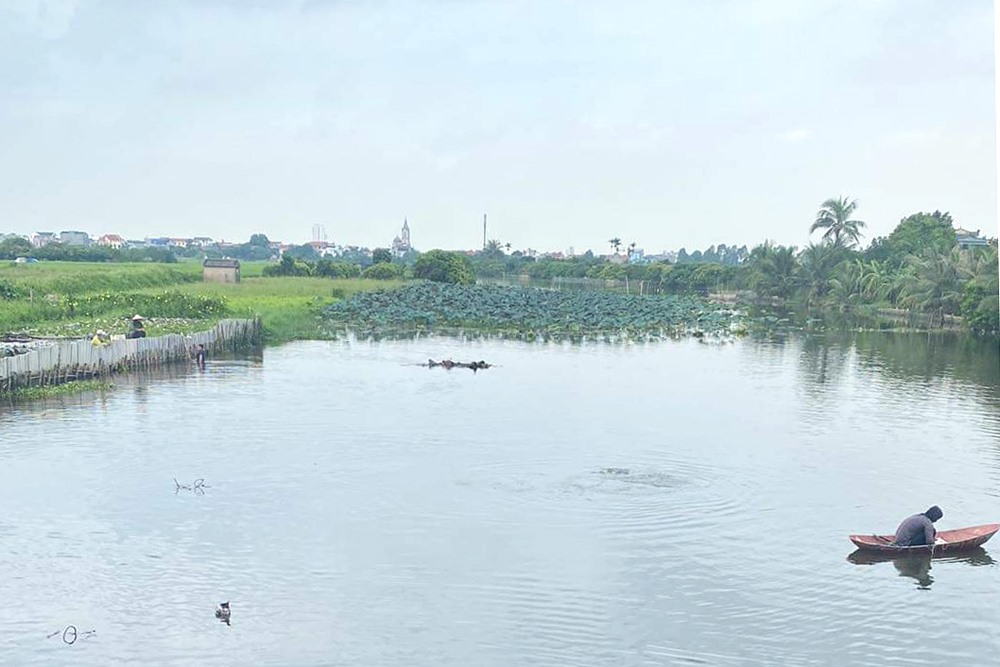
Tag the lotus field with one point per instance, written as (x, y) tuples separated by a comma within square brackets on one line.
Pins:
[(530, 314)]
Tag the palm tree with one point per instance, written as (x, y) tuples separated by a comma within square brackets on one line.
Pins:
[(847, 286), (774, 269), (507, 246), (615, 244), (817, 263), (494, 249), (934, 282), (835, 218)]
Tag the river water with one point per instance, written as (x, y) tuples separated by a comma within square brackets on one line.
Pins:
[(657, 504)]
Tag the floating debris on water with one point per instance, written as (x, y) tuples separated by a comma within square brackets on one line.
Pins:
[(70, 634), (449, 364), (198, 486), (223, 612)]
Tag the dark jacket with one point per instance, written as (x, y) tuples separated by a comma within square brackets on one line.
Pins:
[(915, 531)]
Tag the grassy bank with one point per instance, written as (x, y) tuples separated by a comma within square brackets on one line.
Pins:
[(289, 308), (74, 299)]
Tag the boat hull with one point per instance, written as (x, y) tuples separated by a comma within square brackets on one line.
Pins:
[(954, 541)]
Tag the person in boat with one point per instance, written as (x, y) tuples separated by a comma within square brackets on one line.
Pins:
[(918, 530), (100, 339)]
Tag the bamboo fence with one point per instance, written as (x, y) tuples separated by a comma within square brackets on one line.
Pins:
[(66, 361)]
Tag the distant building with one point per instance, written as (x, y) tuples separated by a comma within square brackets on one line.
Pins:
[(201, 241), (75, 238), (178, 243), (111, 241), (160, 242), (38, 239), (968, 239), (220, 271), (401, 244)]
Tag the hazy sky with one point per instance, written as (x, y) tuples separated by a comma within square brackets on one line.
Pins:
[(666, 123)]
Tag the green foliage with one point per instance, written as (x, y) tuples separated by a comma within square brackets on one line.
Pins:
[(74, 299), (14, 247), (493, 250), (329, 268), (444, 267), (52, 391), (160, 304), (817, 265), (383, 271), (57, 252), (527, 312), (933, 282), (835, 218), (721, 254), (381, 256), (915, 235), (305, 251), (289, 266), (8, 290), (772, 271)]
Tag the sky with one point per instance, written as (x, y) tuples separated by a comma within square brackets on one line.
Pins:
[(568, 122)]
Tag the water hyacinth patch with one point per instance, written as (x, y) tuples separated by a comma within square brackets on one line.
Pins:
[(530, 313)]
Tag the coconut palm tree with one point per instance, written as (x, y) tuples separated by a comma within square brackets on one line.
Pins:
[(817, 263), (615, 244), (933, 282), (835, 217), (774, 270)]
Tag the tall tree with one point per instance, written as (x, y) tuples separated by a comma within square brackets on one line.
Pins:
[(913, 236), (615, 244), (835, 217), (14, 246)]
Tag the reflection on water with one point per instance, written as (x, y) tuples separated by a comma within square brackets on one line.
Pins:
[(587, 504), (918, 567)]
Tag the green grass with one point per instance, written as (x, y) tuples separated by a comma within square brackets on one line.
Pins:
[(289, 308), (49, 299), (61, 278)]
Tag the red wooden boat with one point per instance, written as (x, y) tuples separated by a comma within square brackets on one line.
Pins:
[(949, 541)]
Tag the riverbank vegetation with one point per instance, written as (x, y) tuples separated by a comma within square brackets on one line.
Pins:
[(26, 394), (52, 299), (919, 273), (530, 313)]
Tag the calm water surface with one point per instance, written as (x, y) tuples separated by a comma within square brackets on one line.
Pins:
[(663, 504)]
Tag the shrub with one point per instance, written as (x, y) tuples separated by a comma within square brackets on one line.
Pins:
[(383, 271), (445, 267)]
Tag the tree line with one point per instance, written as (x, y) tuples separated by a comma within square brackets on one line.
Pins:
[(918, 268)]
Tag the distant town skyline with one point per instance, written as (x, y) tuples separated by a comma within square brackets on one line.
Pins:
[(670, 124)]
